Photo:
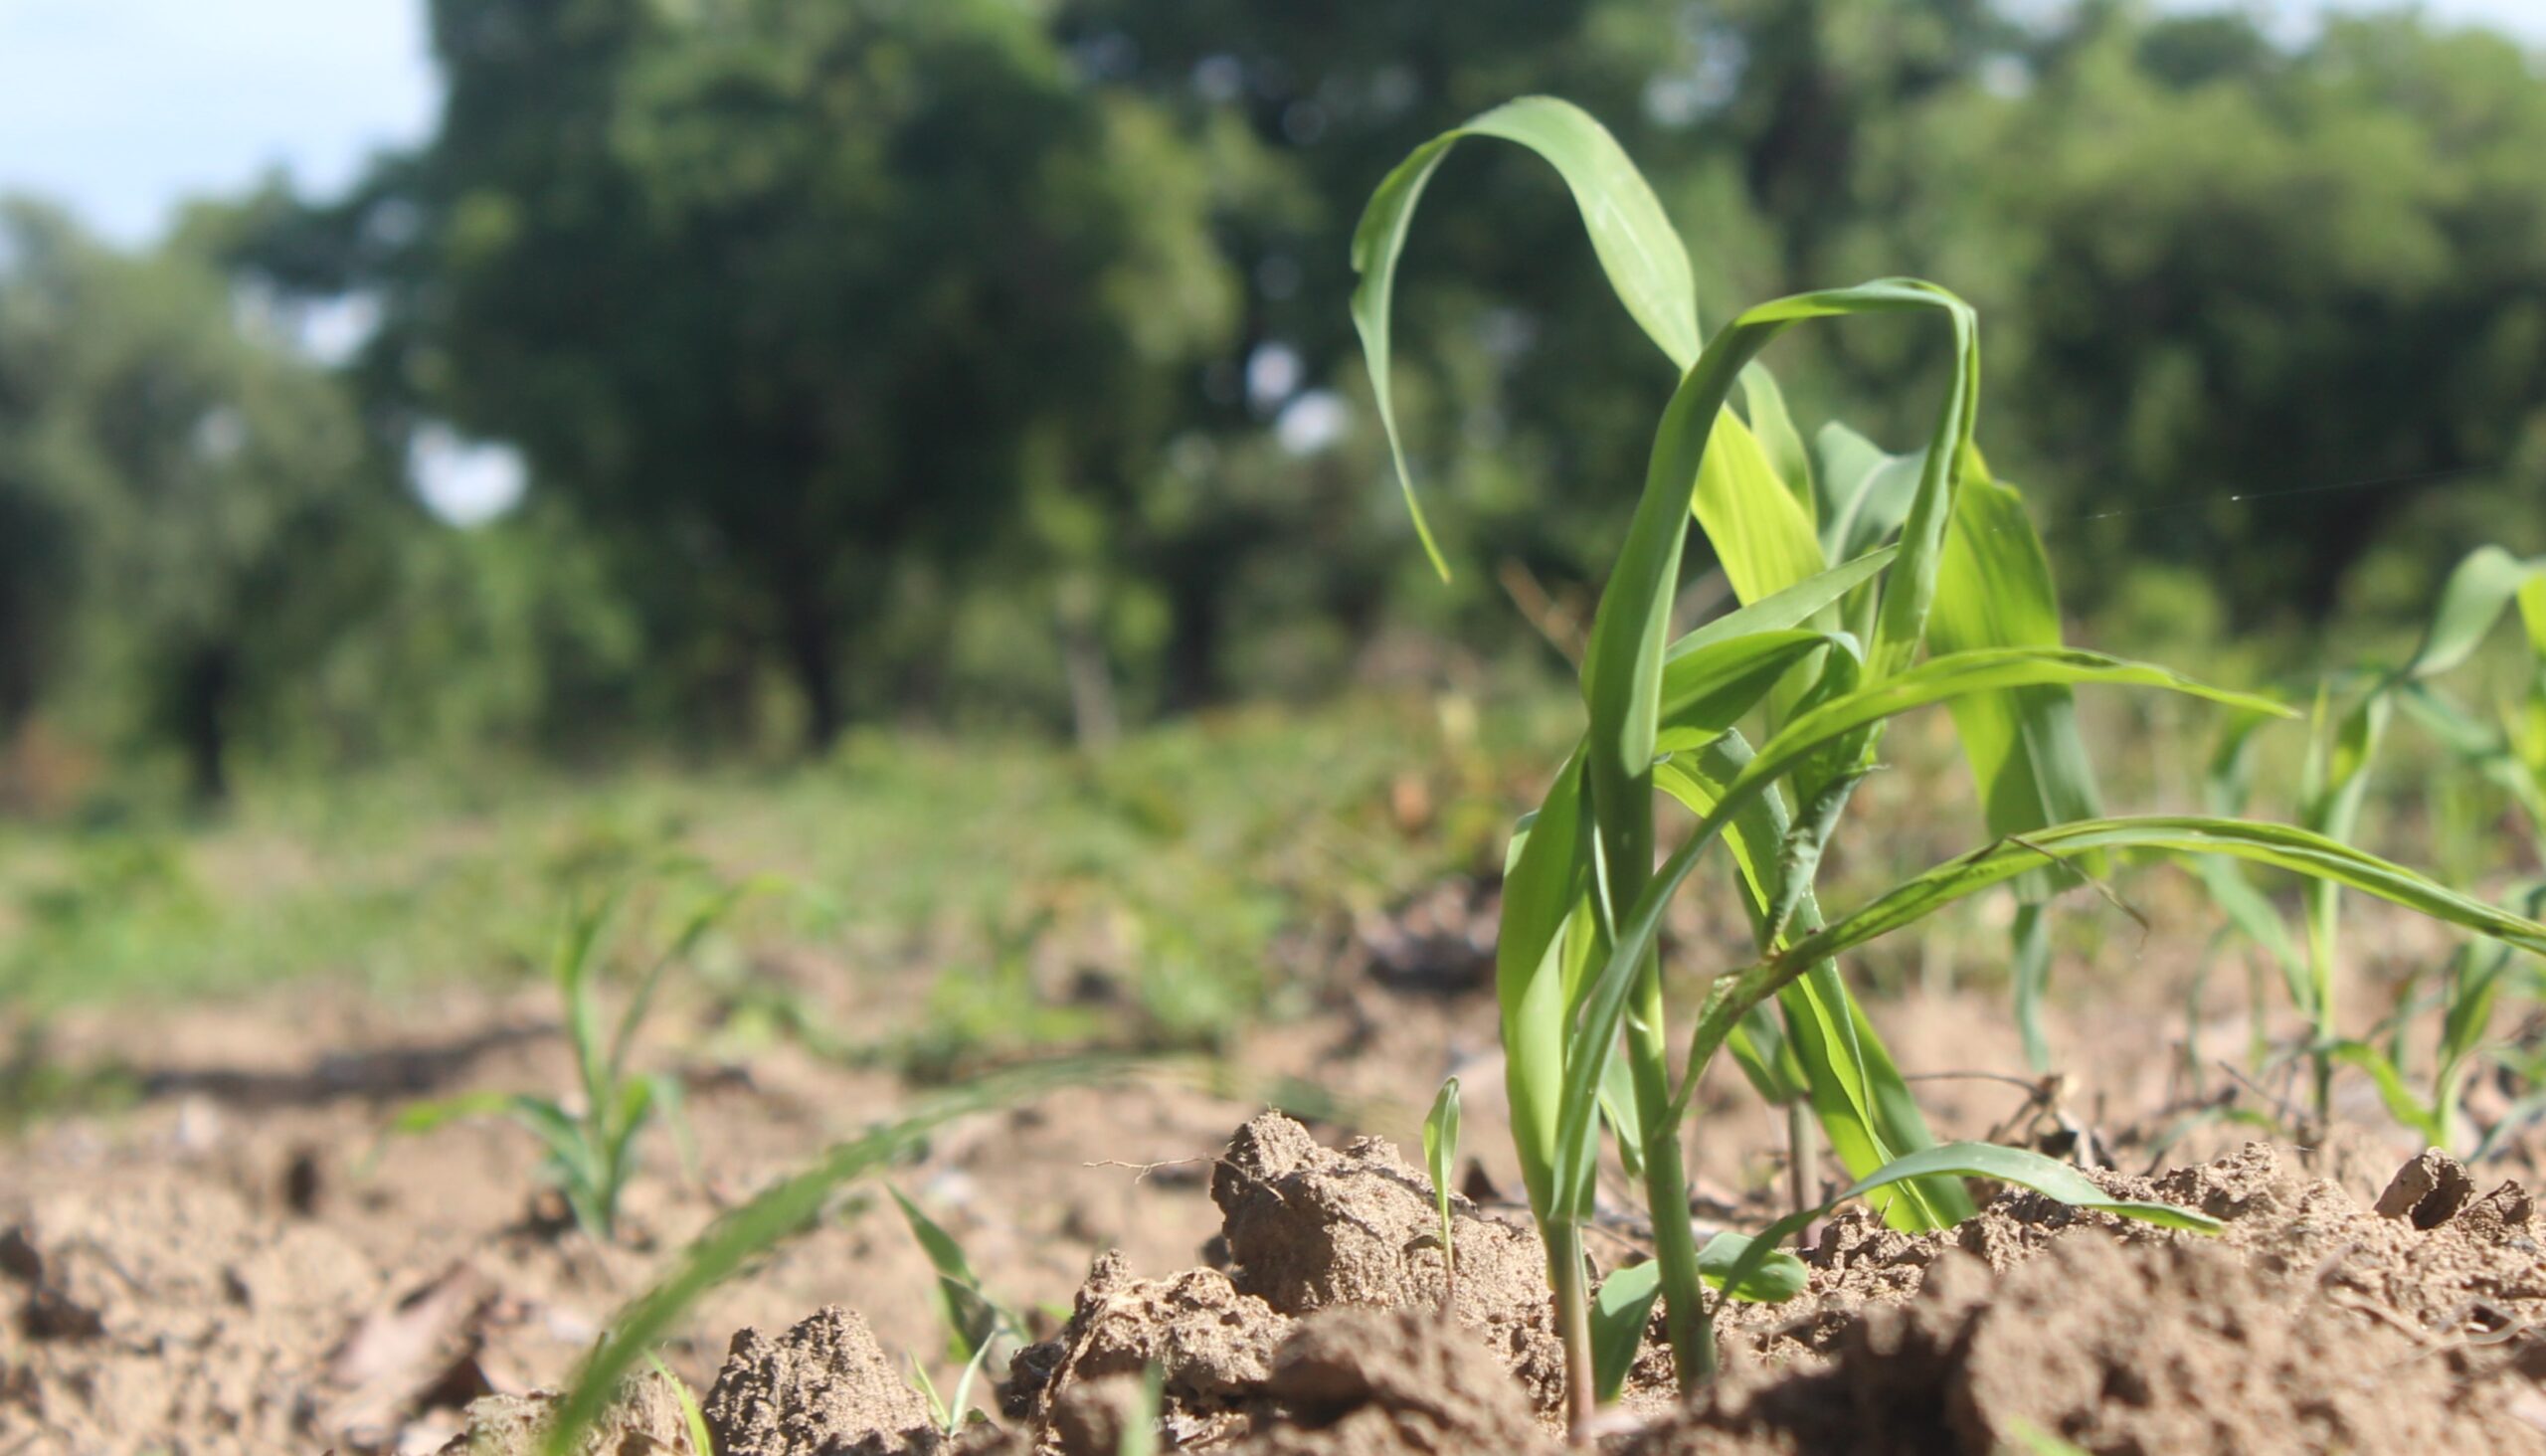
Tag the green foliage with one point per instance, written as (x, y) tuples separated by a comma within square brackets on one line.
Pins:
[(2344, 744), (1440, 1158), (776, 294), (1579, 967), (189, 514)]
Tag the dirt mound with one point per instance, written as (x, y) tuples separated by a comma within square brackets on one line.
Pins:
[(1365, 1382), (2310, 1324), (1212, 1344), (822, 1388), (1309, 1228)]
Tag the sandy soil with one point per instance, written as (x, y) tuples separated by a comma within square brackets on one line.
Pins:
[(240, 1264)]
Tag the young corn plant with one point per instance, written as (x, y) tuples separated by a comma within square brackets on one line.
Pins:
[(591, 1135), (1926, 586), (974, 1322), (776, 1214), (2348, 729), (1441, 1154)]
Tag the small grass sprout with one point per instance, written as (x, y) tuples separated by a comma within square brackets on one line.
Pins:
[(974, 1322), (1440, 1156), (590, 1134), (1870, 585), (692, 1418)]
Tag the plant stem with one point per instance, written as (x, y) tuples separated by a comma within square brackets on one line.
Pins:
[(1572, 1325), (1800, 1152), (1625, 824), (1665, 1186)]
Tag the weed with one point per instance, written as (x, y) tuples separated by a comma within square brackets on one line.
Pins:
[(1820, 658)]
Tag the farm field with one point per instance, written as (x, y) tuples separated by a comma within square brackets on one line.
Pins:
[(204, 1180), (1068, 729)]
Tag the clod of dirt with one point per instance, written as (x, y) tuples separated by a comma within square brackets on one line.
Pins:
[(2428, 1191), (1309, 1228), (645, 1420), (1362, 1383), (822, 1388), (2310, 1324), (1094, 1416), (1212, 1344)]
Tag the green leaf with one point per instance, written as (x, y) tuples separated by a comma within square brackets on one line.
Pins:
[(2039, 1442), (2487, 583), (1637, 247), (693, 1420), (1780, 441), (1620, 1310), (967, 1313), (1618, 1110), (765, 1221), (1440, 1153), (1622, 668), (1878, 501), (1933, 681), (2281, 845), (1994, 589), (1548, 873), (1622, 1307), (2044, 1176), (2402, 1103), (1759, 1044), (1140, 1425), (1792, 606), (2029, 965), (1774, 1279), (1761, 534)]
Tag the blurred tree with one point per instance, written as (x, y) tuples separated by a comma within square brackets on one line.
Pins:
[(780, 295), (191, 509), (2244, 303)]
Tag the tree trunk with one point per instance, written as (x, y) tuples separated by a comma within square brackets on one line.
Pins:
[(204, 688), (1094, 720), (811, 657)]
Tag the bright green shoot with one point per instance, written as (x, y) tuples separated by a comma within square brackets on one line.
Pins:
[(974, 1321), (1837, 633), (1440, 1156), (2344, 742), (591, 1136)]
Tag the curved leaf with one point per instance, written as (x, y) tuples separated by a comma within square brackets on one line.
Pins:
[(1937, 680), (2279, 846), (1622, 1307), (2487, 583), (767, 1220), (1638, 250), (2047, 1176)]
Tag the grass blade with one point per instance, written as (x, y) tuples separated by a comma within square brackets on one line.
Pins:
[(2279, 846), (771, 1217)]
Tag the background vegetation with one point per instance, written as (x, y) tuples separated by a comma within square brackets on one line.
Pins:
[(974, 363)]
